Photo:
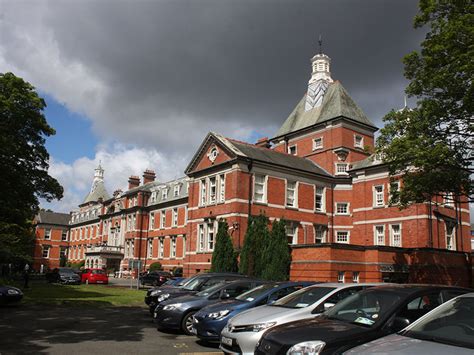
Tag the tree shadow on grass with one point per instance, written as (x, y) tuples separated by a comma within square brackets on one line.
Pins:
[(34, 328)]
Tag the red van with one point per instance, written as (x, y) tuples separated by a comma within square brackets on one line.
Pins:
[(95, 276)]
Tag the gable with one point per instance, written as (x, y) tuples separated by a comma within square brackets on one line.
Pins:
[(212, 152)]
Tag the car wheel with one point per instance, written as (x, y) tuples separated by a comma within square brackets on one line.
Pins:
[(187, 323)]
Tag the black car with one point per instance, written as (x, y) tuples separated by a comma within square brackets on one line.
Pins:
[(155, 278), (64, 275), (194, 285), (10, 294), (360, 318), (177, 313)]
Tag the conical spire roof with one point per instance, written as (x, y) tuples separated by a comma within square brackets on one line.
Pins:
[(98, 190)]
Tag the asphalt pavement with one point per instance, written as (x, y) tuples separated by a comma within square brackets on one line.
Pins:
[(27, 329)]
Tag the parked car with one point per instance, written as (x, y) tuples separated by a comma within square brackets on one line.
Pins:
[(95, 276), (245, 329), (177, 313), (155, 278), (196, 284), (178, 272), (363, 317), (63, 275), (448, 329), (10, 294), (175, 281), (209, 321)]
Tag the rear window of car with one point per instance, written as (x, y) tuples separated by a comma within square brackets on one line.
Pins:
[(98, 272)]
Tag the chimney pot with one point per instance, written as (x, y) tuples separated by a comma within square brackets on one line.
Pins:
[(133, 181), (148, 176)]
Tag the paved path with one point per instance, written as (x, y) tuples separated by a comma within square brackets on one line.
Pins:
[(26, 329)]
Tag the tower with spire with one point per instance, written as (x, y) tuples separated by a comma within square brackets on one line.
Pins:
[(98, 191)]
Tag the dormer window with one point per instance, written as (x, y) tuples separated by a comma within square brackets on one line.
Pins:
[(318, 143), (164, 194), (176, 190), (292, 150), (358, 141)]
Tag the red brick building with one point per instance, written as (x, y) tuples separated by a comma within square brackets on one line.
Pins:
[(316, 173), (52, 233)]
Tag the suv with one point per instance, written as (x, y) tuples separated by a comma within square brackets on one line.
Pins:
[(194, 285), (155, 278)]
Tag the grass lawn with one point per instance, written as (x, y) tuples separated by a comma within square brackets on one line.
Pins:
[(81, 295)]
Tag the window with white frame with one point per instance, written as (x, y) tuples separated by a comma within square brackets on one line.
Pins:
[(260, 188), (201, 237), (378, 199), (358, 141), (292, 150), (134, 222), (450, 236), (47, 233), (291, 195), (319, 199), (379, 235), (291, 233), (355, 277), (342, 237), (212, 189), (161, 247), (342, 208), (320, 231), (129, 222), (341, 276), (46, 249), (152, 220), (395, 235), (164, 193), (203, 192), (173, 247), (176, 190), (341, 168), (175, 217), (222, 188), (448, 199), (394, 187), (132, 248), (318, 143), (163, 219), (210, 236), (150, 248)]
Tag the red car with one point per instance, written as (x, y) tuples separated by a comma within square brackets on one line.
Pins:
[(94, 276)]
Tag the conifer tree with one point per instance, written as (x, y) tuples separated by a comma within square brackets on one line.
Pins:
[(276, 255), (224, 257), (256, 237)]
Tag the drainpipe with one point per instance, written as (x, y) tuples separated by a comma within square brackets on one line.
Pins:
[(430, 226), (249, 166), (332, 212)]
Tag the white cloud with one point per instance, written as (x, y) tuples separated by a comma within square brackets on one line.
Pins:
[(119, 162)]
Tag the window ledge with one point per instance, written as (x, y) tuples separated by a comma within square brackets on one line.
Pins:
[(260, 203)]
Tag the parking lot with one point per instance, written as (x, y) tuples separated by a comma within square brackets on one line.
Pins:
[(43, 329)]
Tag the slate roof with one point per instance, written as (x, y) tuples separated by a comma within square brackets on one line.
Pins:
[(99, 192), (366, 163), (336, 103), (61, 219)]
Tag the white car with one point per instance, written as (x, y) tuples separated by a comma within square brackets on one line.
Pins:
[(243, 331), (448, 329)]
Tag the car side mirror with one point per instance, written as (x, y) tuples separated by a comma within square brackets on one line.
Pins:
[(225, 296), (399, 323), (328, 305)]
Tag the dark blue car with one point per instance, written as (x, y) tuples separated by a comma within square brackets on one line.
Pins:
[(209, 321)]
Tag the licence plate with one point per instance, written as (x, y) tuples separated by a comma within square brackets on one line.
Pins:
[(100, 282), (226, 341)]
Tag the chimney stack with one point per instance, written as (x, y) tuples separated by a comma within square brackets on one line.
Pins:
[(148, 176), (133, 181), (263, 142)]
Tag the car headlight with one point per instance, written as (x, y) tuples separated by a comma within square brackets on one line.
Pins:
[(163, 297), (170, 307), (261, 326), (13, 292), (218, 315), (312, 347), (155, 292)]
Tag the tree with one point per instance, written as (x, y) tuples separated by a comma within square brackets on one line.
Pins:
[(23, 161), (276, 255), (155, 267), (431, 145), (224, 257), (256, 238)]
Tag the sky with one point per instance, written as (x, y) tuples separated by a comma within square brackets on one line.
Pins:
[(138, 84)]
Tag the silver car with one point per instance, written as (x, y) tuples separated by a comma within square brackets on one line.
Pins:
[(242, 332), (448, 329)]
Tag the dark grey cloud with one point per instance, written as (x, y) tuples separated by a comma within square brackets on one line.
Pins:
[(176, 69)]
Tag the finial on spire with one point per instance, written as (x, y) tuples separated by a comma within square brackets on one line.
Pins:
[(320, 41)]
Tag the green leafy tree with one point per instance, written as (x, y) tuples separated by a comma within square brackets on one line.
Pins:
[(23, 163), (155, 266), (276, 254), (256, 238), (431, 145), (224, 257)]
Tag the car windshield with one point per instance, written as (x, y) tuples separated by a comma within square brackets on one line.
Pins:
[(98, 272), (193, 284), (256, 292), (364, 309), (66, 271), (303, 298), (451, 323), (210, 290)]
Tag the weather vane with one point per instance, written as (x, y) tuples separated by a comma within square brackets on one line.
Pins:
[(320, 41)]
